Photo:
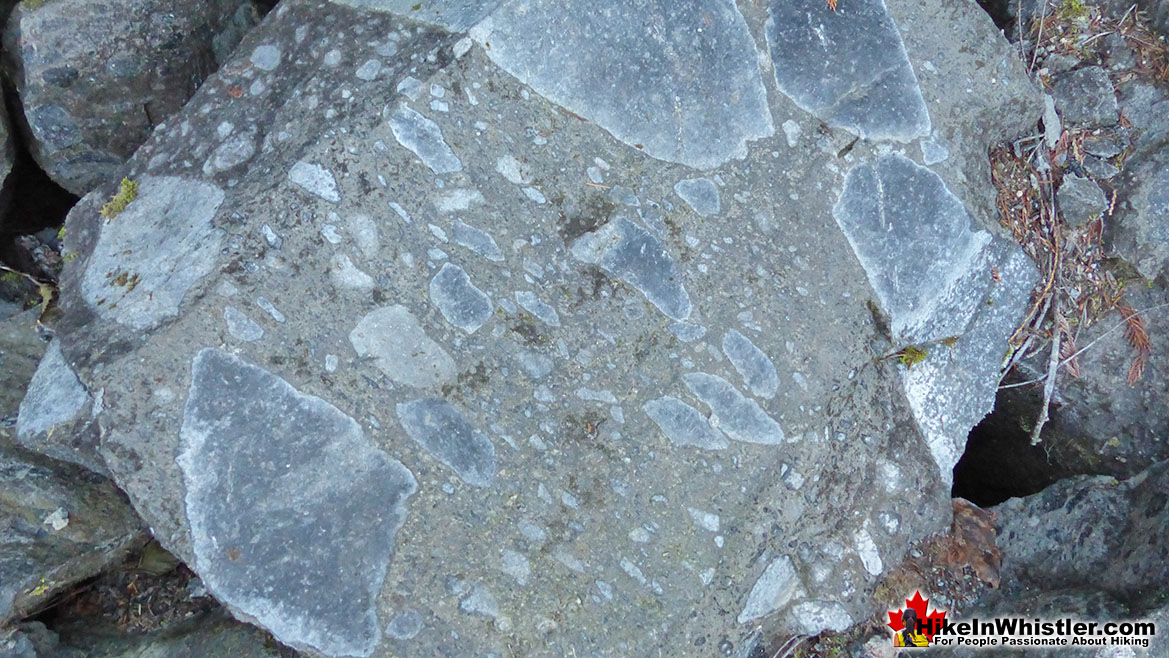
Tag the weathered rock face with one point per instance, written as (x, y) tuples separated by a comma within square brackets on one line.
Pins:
[(1090, 532), (433, 343), (61, 524), (96, 76)]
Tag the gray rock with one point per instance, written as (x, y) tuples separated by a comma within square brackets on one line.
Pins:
[(6, 158), (1141, 234), (56, 415), (21, 349), (1099, 169), (1080, 200), (1090, 532), (1147, 109), (61, 524), (1085, 98), (95, 77), (609, 396)]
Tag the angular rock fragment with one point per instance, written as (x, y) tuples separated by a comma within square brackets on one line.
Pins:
[(693, 97), (95, 77), (461, 303), (633, 255), (683, 425), (875, 94), (400, 347), (151, 253), (740, 418), (285, 496), (753, 365), (443, 430)]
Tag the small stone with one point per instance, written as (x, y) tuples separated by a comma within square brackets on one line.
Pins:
[(1086, 98), (1080, 200)]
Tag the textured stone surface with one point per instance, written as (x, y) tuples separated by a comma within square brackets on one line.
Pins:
[(1103, 425), (203, 636), (59, 524), (1092, 533), (1141, 234), (56, 414), (95, 76), (601, 333), (1080, 200), (1085, 98), (291, 510), (21, 349)]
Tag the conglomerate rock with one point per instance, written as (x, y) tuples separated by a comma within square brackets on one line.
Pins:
[(548, 327)]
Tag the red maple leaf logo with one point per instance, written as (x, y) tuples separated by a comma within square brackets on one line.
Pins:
[(931, 622)]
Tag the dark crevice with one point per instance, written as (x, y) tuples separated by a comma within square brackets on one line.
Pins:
[(1002, 12), (1000, 462), (30, 201), (265, 6)]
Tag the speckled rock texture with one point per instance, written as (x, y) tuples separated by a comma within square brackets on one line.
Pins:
[(59, 524), (441, 339), (95, 76)]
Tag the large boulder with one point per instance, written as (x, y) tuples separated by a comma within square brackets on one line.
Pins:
[(544, 326), (95, 76)]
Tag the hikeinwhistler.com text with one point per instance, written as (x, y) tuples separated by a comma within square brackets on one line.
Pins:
[(1018, 632)]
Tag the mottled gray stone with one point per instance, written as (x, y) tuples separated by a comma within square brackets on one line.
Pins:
[(536, 306), (21, 352), (150, 254), (444, 431), (401, 349), (55, 416), (1080, 200), (756, 369), (695, 97), (683, 425), (96, 76), (61, 524), (285, 495), (636, 257), (740, 418), (1142, 227), (461, 303), (873, 94), (477, 241), (1086, 98), (914, 239), (778, 584), (700, 194), (454, 15), (405, 625), (423, 138), (1091, 532)]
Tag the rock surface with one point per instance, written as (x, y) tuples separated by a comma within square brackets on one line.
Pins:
[(61, 524), (206, 637), (95, 76), (447, 330)]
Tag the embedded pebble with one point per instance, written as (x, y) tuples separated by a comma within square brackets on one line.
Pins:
[(742, 419), (444, 431), (683, 425), (461, 303)]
